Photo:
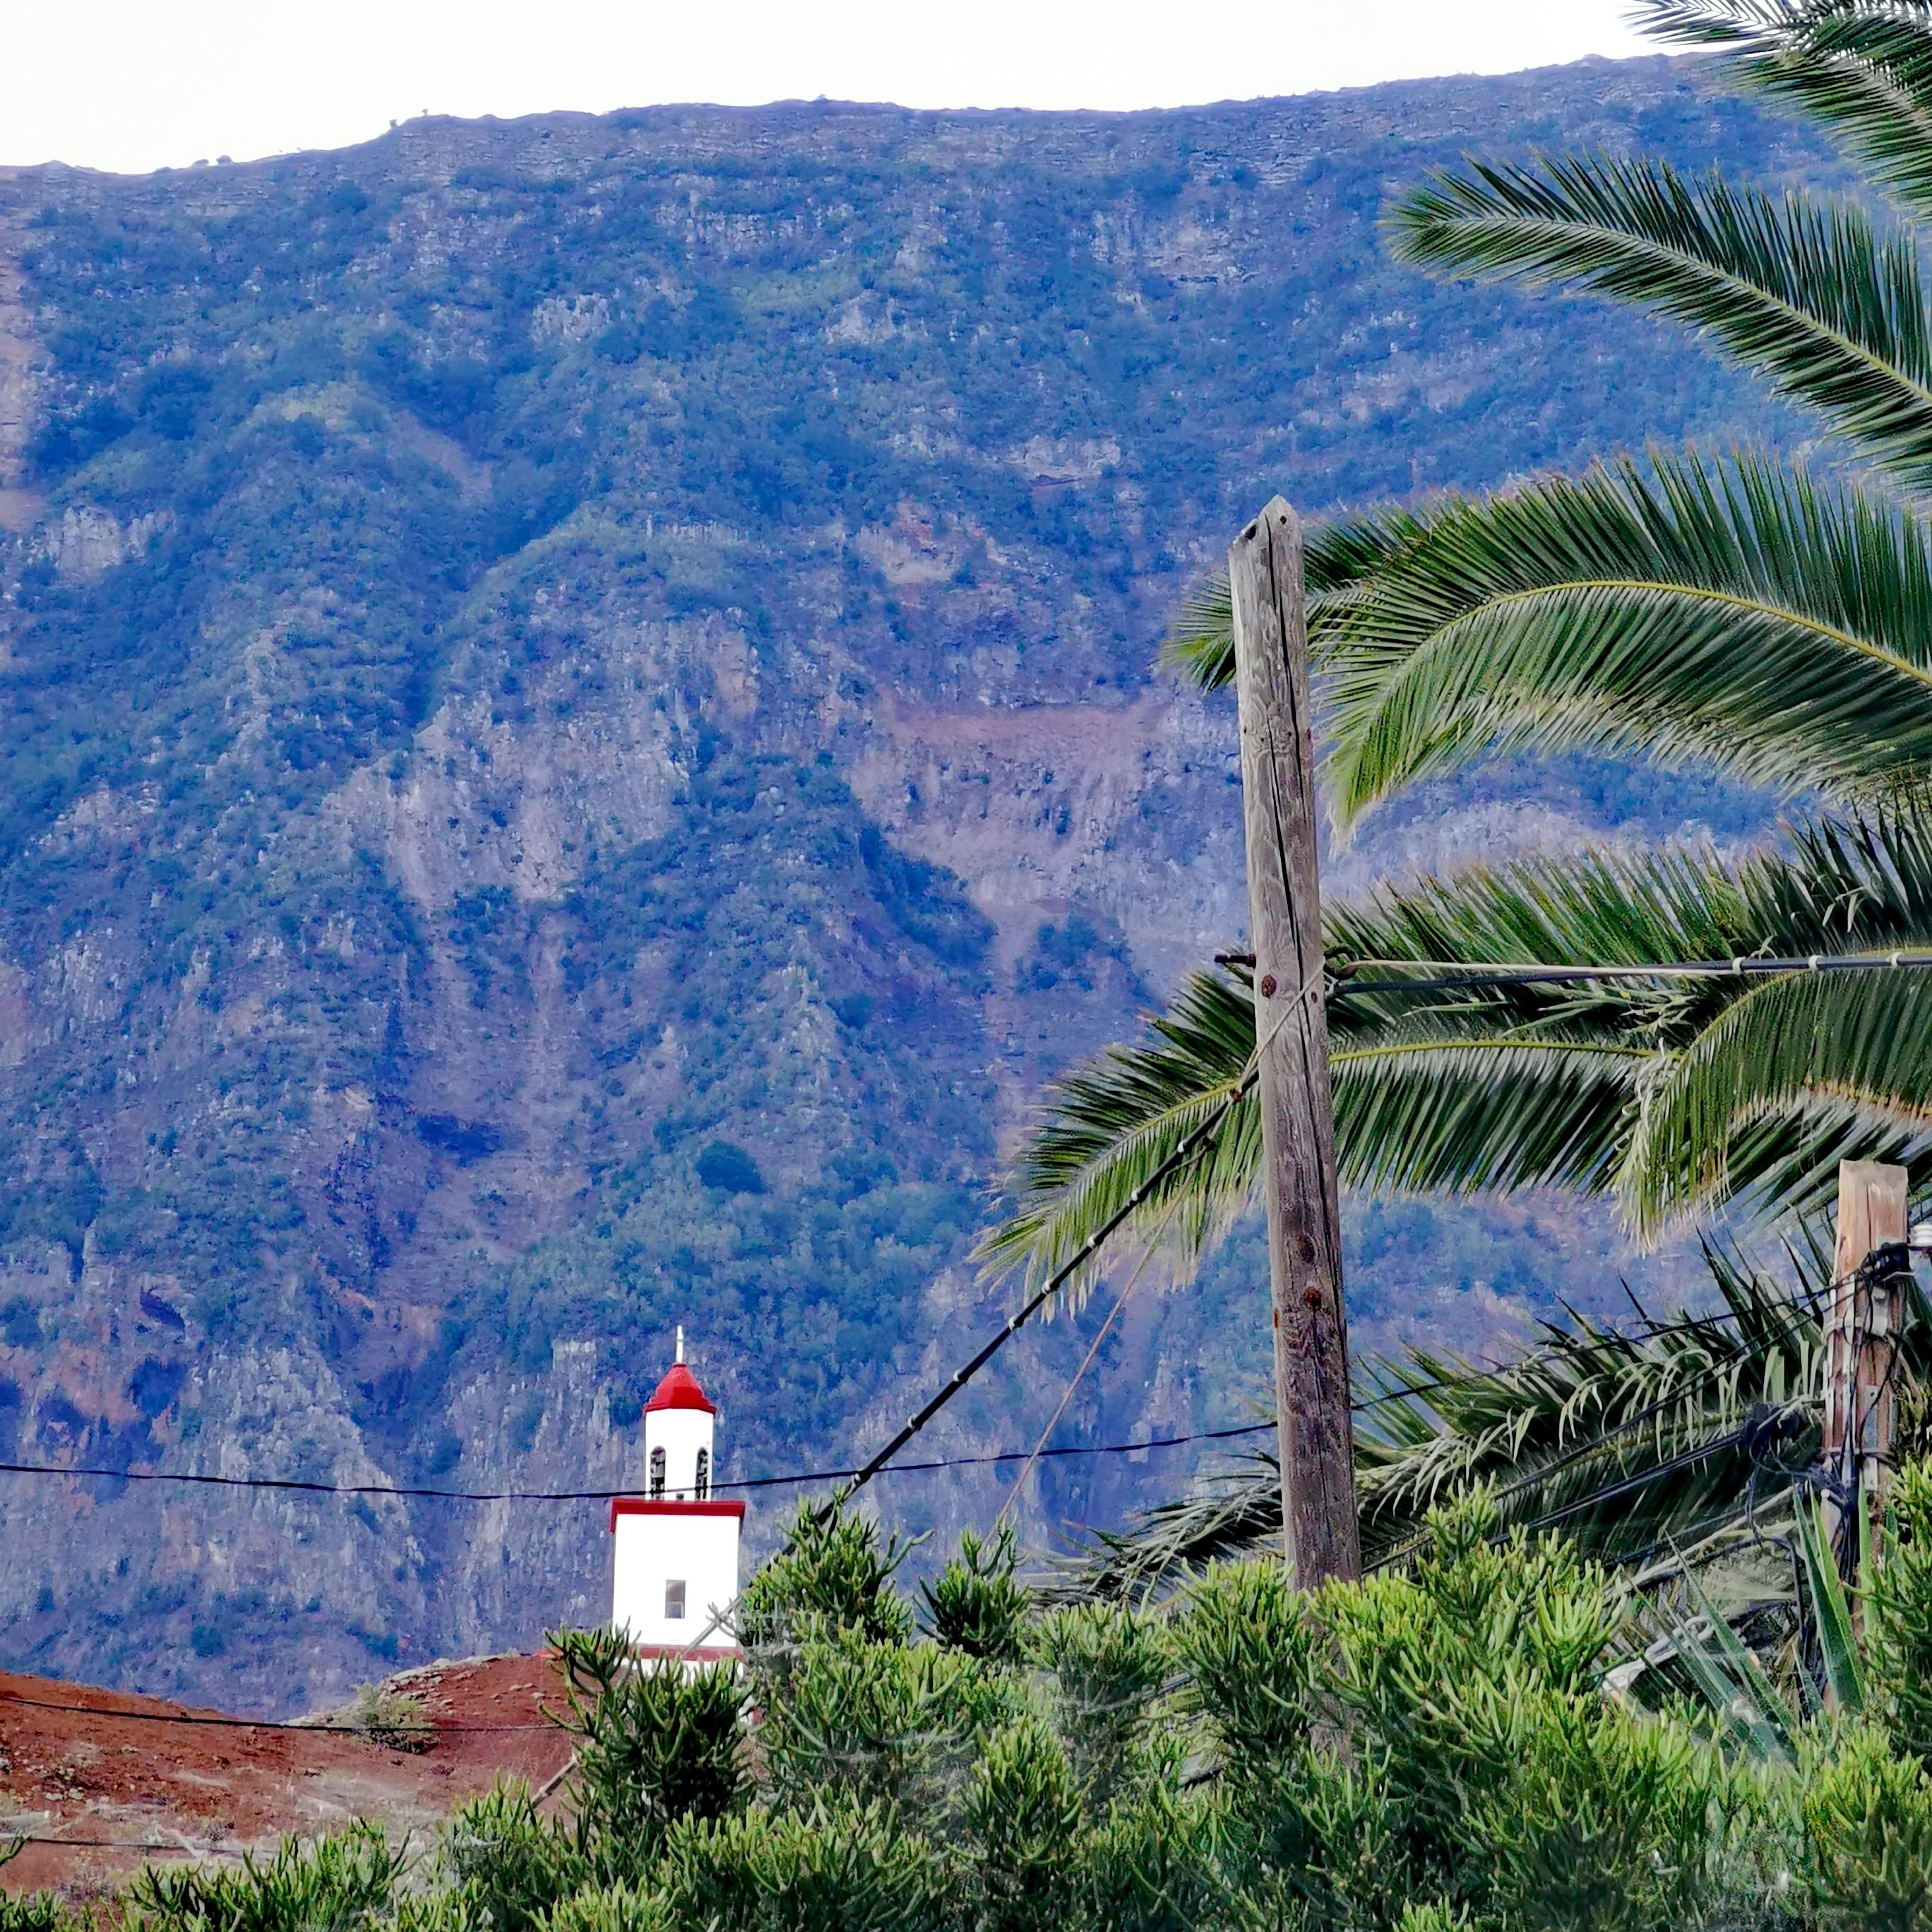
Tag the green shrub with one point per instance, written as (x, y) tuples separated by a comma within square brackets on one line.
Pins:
[(35, 1912), (1022, 1816), (1250, 1660), (510, 1866), (1588, 1818), (1867, 1816), (843, 1716), (835, 1573), (611, 1908), (1440, 1738), (653, 1747), (1433, 1752), (976, 1604), (1150, 1866), (390, 1719), (1899, 1608), (338, 1884), (1108, 1665), (838, 1867)]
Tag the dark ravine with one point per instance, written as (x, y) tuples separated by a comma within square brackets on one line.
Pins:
[(580, 738)]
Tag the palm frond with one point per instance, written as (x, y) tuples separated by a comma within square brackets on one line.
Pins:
[(1198, 646), (1742, 614), (1830, 1609), (1593, 907), (1419, 1109), (1234, 1510), (1108, 1128), (1744, 1091), (1628, 1440), (1798, 1073), (1805, 292), (1676, 1097), (1863, 72), (1441, 1101), (1338, 559)]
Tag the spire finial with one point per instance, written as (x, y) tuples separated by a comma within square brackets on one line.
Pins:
[(680, 1341)]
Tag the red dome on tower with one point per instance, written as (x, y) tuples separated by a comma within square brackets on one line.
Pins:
[(679, 1389)]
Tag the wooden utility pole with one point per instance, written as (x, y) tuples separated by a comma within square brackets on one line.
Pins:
[(1311, 1336), (1861, 1337)]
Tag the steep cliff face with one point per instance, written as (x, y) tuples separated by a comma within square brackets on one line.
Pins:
[(579, 739)]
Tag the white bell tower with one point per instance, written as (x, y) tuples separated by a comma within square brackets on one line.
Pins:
[(676, 1546)]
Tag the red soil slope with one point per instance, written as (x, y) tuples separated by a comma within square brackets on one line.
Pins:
[(78, 1763)]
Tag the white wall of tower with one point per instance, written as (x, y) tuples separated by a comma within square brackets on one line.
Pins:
[(691, 1547)]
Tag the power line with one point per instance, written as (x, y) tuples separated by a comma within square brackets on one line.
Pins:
[(1694, 1533), (124, 1845), (1638, 1479), (607, 1495), (1693, 1386), (1201, 1140), (1407, 1391), (1533, 972), (1189, 1148), (426, 1728), (1578, 1452), (1072, 1449), (1087, 1362), (1598, 1342), (1192, 1147), (1463, 974)]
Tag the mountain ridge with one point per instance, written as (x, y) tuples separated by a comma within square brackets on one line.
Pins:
[(580, 738)]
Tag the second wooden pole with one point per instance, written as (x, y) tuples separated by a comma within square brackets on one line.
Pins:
[(1861, 1325)]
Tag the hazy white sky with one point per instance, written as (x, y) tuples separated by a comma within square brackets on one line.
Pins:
[(138, 84)]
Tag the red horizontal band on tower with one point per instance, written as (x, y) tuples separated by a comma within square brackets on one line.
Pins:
[(653, 1506)]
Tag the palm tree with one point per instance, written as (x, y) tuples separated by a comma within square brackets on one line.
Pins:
[(1675, 1438), (1738, 611)]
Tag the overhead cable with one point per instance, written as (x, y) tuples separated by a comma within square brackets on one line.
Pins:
[(1578, 1452), (1134, 1448), (424, 1727), (1463, 975), (124, 1845), (1192, 1147), (1467, 973)]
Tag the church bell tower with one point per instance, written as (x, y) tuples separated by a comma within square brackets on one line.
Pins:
[(676, 1547)]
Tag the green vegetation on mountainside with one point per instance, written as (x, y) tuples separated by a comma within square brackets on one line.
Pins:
[(496, 656)]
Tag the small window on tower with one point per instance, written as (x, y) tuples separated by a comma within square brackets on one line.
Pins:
[(657, 1473), (674, 1600), (704, 1488)]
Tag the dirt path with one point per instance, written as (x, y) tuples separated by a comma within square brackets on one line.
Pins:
[(79, 1763)]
